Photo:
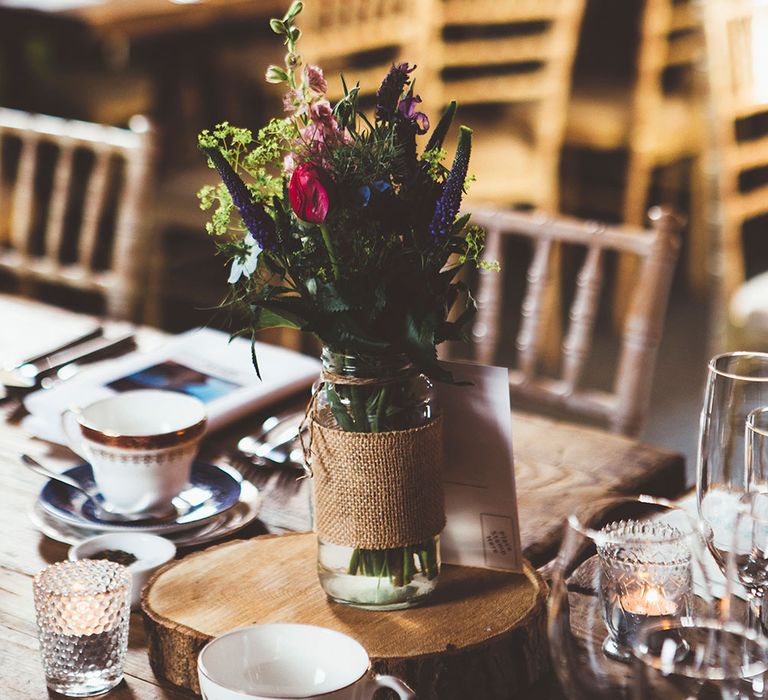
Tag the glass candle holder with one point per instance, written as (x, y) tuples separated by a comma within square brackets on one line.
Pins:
[(83, 610), (646, 576)]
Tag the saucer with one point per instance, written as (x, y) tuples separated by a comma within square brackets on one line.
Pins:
[(241, 514), (211, 491)]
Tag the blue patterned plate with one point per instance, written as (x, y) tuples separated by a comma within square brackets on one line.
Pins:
[(210, 492)]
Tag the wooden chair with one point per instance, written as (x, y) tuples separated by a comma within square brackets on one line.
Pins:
[(75, 199), (656, 124), (737, 36), (624, 408), (362, 38), (514, 57)]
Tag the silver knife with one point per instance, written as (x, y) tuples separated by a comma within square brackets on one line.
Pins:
[(28, 376)]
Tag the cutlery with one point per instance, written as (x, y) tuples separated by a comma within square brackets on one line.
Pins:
[(102, 508), (270, 447), (29, 375), (273, 423), (35, 359), (90, 335)]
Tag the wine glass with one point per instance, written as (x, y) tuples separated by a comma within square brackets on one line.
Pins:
[(700, 659), (737, 383), (623, 562), (748, 556)]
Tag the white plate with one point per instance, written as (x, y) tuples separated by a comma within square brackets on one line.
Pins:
[(232, 520)]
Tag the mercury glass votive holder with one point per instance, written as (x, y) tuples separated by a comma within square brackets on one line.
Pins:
[(83, 610), (646, 575)]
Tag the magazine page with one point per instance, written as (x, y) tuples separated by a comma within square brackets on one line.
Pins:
[(202, 363)]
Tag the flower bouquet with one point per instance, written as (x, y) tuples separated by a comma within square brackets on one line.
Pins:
[(337, 225)]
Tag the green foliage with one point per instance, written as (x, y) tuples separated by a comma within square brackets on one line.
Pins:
[(434, 160)]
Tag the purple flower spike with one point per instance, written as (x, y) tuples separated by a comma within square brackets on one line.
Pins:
[(450, 199), (390, 91), (255, 218)]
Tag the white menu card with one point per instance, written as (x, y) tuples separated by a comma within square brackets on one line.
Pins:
[(479, 477)]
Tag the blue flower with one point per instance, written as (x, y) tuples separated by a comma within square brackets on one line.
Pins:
[(364, 192), (245, 262)]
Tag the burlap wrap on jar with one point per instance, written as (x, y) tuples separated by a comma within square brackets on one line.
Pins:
[(378, 490)]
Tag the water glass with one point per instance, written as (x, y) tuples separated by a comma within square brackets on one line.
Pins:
[(646, 574), (696, 659), (623, 563), (83, 611)]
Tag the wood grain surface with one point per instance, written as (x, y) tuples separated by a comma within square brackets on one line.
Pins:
[(476, 617), (558, 465)]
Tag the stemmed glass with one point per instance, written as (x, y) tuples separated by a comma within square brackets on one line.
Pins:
[(737, 384), (695, 658), (624, 562)]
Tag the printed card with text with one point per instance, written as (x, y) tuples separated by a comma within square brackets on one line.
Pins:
[(479, 477)]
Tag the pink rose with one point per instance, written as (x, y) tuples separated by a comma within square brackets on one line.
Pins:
[(309, 192)]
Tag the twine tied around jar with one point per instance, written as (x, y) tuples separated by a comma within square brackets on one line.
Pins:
[(374, 490), (308, 422)]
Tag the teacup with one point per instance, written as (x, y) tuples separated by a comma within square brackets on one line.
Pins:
[(266, 662), (140, 445)]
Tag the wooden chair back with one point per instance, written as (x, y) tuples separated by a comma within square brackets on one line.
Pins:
[(624, 408), (516, 53), (737, 56), (74, 196), (671, 38), (362, 38)]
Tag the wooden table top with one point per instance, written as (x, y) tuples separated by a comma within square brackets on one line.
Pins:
[(134, 19), (558, 465)]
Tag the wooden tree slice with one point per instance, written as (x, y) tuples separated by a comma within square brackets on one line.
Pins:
[(481, 636)]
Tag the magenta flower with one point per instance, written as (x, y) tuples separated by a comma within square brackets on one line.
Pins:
[(315, 79), (309, 192)]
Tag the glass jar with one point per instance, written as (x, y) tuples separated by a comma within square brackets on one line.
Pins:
[(397, 399)]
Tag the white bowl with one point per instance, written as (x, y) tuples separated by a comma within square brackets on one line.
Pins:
[(151, 552)]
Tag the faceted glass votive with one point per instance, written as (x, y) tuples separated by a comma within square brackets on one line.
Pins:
[(83, 610), (646, 574)]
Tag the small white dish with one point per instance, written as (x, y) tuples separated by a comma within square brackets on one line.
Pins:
[(151, 552)]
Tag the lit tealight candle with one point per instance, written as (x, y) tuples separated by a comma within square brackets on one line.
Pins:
[(648, 600)]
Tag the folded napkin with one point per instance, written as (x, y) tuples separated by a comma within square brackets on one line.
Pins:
[(31, 329), (202, 362)]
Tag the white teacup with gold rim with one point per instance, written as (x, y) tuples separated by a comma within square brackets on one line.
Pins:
[(265, 662), (140, 445)]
